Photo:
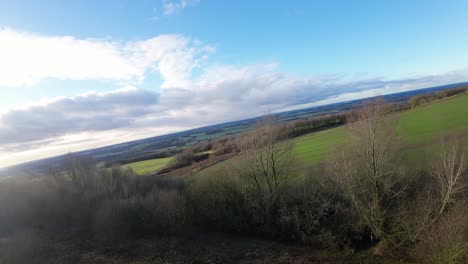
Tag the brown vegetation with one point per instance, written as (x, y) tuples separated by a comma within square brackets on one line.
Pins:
[(429, 97), (366, 170)]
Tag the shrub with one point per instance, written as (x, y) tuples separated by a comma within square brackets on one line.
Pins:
[(202, 147), (303, 211), (157, 212), (118, 220), (224, 201), (186, 159), (220, 203), (23, 247), (447, 241)]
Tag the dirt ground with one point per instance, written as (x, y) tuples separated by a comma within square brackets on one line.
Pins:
[(190, 249)]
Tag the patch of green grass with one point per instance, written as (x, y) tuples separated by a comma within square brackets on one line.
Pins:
[(434, 120), (416, 126), (148, 166), (314, 147)]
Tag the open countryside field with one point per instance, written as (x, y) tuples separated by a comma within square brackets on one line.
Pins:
[(420, 129), (433, 120), (313, 148), (148, 166), (419, 125)]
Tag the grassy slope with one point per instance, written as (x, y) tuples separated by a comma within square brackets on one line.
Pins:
[(148, 166), (433, 120), (314, 147), (419, 125)]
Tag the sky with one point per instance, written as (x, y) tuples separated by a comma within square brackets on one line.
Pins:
[(76, 75)]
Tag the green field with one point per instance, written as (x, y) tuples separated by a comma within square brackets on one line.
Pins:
[(148, 166), (420, 125), (313, 147), (434, 120)]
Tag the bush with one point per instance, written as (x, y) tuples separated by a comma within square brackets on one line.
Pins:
[(119, 219), (226, 202), (302, 211), (447, 241), (220, 203), (186, 159), (226, 146), (202, 147), (23, 247), (159, 212)]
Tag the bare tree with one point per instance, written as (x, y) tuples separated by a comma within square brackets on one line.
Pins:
[(437, 198), (445, 240), (268, 161), (450, 170), (79, 171), (366, 169)]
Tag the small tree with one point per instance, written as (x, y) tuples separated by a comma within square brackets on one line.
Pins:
[(450, 170), (366, 169), (268, 161), (436, 199), (79, 170)]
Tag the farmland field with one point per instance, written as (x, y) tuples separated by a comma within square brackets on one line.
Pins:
[(419, 128), (419, 125), (314, 147), (434, 120), (148, 166)]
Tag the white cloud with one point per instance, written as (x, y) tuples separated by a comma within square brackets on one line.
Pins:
[(28, 58), (173, 6)]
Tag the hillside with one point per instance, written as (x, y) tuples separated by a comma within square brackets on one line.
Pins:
[(420, 130), (417, 127)]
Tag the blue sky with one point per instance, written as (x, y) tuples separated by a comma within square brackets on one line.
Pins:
[(381, 37), (76, 74)]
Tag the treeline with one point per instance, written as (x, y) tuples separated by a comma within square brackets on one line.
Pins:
[(310, 125), (201, 152), (156, 155), (430, 97), (184, 159), (214, 131)]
